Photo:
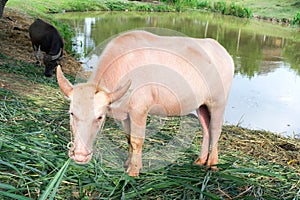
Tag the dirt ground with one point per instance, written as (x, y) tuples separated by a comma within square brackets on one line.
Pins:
[(15, 41)]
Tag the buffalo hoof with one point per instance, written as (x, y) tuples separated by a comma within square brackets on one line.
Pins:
[(202, 162), (133, 173), (212, 167), (134, 169)]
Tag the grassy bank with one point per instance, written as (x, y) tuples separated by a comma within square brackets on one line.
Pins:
[(279, 9), (34, 133), (272, 8)]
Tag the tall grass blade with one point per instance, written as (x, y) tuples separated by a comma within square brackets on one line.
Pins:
[(258, 171), (14, 196), (6, 186), (11, 166), (54, 184), (297, 195)]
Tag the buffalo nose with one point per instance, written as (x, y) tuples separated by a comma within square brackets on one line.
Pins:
[(80, 158), (79, 153)]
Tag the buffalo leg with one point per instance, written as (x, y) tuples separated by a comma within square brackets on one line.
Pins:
[(137, 137), (204, 118), (37, 54), (35, 49), (126, 126), (2, 5), (215, 130)]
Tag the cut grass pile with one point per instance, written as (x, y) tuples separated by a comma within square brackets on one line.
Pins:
[(34, 132)]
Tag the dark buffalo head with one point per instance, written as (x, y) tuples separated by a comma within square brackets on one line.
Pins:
[(49, 66), (50, 63)]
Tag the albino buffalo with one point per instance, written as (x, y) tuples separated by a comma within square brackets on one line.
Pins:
[(140, 73)]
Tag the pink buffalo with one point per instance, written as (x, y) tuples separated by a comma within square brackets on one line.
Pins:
[(140, 73)]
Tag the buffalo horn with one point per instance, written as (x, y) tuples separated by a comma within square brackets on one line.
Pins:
[(64, 84), (114, 96), (56, 56)]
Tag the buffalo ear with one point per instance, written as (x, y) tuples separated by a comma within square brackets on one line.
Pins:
[(64, 84), (114, 96)]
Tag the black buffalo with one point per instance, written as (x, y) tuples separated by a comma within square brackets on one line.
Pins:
[(2, 5), (46, 38)]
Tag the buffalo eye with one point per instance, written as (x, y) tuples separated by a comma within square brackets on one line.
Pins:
[(100, 117), (72, 114)]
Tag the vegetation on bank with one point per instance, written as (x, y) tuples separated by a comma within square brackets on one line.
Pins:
[(281, 10), (296, 19), (34, 126), (272, 10), (50, 6)]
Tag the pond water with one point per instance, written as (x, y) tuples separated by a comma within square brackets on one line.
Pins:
[(266, 88)]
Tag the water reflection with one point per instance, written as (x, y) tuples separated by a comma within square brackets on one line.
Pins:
[(266, 102), (266, 86)]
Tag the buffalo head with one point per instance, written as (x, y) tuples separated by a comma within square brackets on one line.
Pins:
[(88, 107), (50, 63)]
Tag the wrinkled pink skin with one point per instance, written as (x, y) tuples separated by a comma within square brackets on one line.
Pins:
[(170, 76)]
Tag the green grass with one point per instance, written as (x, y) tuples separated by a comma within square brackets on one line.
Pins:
[(280, 9), (40, 8), (34, 132), (296, 19), (272, 8), (49, 6)]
